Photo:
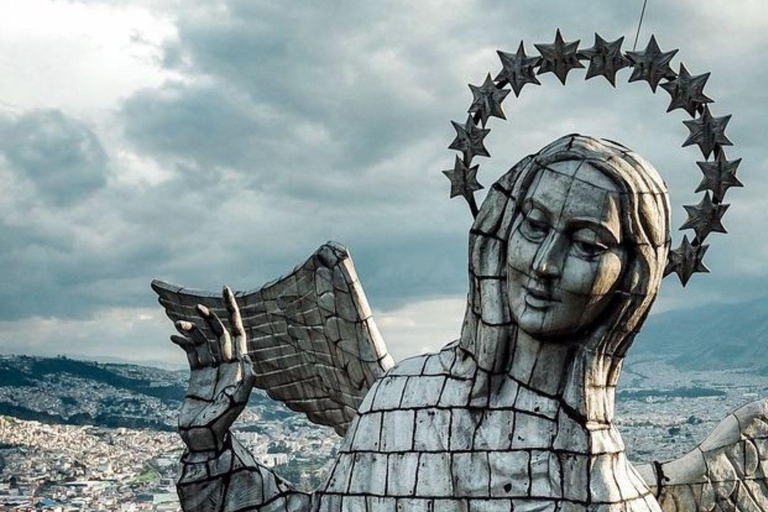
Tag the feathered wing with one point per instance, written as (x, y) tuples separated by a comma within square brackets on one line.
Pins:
[(727, 471), (311, 336)]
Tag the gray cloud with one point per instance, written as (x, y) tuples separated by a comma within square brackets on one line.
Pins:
[(287, 127), (327, 105), (204, 125), (63, 157)]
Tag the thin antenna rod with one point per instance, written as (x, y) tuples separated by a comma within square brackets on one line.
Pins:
[(640, 24)]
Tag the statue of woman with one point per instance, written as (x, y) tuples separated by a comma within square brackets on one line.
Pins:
[(566, 257)]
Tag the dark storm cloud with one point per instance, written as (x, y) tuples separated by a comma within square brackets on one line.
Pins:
[(289, 127), (344, 109), (60, 155), (321, 86), (51, 269), (200, 124)]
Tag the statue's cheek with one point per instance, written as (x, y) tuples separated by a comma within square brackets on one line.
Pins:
[(520, 253), (593, 278)]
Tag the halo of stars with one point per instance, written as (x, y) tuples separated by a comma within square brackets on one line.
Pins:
[(605, 58)]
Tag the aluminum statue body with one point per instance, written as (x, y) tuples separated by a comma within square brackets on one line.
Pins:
[(566, 257)]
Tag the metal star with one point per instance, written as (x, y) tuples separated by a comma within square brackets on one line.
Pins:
[(486, 100), (469, 140), (686, 260), (651, 64), (517, 69), (463, 180), (605, 59), (707, 132), (687, 91), (719, 176), (559, 57), (705, 217)]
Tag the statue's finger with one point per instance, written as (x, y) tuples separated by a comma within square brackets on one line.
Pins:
[(240, 344), (183, 327), (204, 353), (220, 333), (189, 349), (202, 347), (236, 321), (217, 328), (191, 331)]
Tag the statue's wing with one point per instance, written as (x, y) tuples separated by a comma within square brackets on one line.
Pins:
[(311, 337), (727, 471)]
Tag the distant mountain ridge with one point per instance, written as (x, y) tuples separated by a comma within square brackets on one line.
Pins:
[(26, 371), (68, 391), (710, 337)]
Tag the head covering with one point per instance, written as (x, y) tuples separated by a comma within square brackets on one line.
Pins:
[(489, 332)]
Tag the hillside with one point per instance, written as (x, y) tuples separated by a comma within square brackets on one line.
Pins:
[(712, 337), (49, 405), (62, 390), (67, 391)]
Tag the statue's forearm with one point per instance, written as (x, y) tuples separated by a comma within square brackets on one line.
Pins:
[(234, 481)]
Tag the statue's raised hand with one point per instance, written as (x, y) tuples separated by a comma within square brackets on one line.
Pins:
[(221, 377)]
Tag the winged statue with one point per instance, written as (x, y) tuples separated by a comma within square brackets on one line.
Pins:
[(566, 256)]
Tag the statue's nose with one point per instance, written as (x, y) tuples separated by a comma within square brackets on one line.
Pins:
[(549, 259)]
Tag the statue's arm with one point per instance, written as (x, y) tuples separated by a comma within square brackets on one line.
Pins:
[(218, 473), (232, 480)]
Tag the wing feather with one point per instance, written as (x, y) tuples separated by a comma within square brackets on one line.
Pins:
[(311, 335), (727, 471)]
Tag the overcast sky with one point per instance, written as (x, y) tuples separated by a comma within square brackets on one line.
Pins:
[(208, 142)]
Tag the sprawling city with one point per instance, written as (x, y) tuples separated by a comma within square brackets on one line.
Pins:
[(55, 465)]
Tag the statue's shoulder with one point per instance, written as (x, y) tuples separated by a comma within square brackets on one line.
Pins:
[(416, 379), (426, 365)]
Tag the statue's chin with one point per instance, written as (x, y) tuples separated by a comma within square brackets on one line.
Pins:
[(563, 318), (550, 325), (555, 337)]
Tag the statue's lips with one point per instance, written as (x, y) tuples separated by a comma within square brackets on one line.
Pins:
[(539, 297)]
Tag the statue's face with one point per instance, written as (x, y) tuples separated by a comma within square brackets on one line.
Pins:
[(564, 255)]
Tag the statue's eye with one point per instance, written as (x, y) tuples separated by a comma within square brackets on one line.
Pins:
[(534, 228), (587, 244)]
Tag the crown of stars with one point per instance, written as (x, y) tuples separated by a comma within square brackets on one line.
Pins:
[(719, 176), (651, 64), (517, 69), (606, 59), (463, 179), (559, 57), (705, 217), (686, 260), (469, 139), (707, 132), (486, 100), (687, 91)]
